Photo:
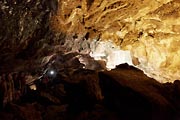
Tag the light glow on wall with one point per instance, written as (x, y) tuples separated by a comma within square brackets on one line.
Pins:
[(110, 53)]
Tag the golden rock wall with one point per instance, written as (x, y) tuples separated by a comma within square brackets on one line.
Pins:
[(149, 29)]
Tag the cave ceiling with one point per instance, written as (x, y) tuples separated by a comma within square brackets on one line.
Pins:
[(142, 33)]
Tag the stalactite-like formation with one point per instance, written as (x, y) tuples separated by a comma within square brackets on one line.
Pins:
[(149, 29)]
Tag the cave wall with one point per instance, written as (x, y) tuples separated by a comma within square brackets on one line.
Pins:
[(25, 35), (32, 32), (149, 29)]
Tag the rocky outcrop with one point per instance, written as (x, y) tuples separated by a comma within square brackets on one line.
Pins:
[(33, 32), (64, 35), (149, 29), (25, 36), (123, 93)]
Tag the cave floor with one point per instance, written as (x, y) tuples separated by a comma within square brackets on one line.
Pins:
[(124, 93)]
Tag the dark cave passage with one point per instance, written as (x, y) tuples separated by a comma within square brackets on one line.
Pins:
[(96, 96)]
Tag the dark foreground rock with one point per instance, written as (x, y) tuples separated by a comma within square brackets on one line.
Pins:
[(121, 94)]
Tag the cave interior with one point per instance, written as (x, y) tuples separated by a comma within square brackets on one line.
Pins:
[(89, 60)]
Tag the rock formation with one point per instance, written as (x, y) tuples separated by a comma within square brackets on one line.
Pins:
[(145, 33), (55, 57), (149, 29)]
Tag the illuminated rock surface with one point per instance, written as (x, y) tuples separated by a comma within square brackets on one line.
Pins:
[(149, 29), (78, 39), (31, 33)]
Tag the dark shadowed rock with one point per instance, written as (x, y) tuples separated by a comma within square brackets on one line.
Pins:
[(123, 93), (25, 34), (134, 95), (24, 112), (56, 113)]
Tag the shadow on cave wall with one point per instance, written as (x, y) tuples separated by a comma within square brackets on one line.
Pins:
[(25, 34)]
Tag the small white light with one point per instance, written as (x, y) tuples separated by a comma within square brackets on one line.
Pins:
[(52, 72)]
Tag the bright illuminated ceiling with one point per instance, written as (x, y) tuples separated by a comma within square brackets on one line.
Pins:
[(143, 32)]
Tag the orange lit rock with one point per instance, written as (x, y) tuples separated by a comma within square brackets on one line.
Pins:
[(149, 29)]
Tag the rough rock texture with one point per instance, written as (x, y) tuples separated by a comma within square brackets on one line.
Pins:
[(25, 36), (33, 32), (124, 93), (149, 29), (63, 35)]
